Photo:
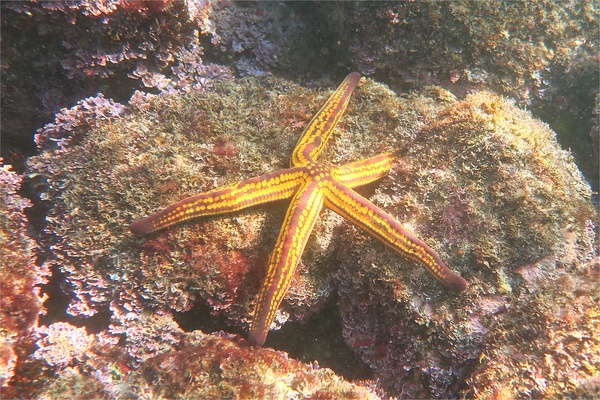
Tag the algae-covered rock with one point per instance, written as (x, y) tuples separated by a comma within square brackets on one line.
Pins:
[(20, 279), (177, 365), (492, 191), (482, 182), (170, 147), (542, 53), (75, 49)]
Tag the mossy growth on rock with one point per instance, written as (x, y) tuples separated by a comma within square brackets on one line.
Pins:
[(184, 366), (20, 280), (170, 147), (489, 188), (496, 182), (482, 182)]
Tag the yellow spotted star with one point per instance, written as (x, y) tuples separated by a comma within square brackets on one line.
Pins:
[(311, 185)]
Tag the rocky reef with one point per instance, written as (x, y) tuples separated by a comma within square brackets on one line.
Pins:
[(20, 280), (153, 101), (73, 50), (153, 358), (544, 54), (480, 180), (488, 186)]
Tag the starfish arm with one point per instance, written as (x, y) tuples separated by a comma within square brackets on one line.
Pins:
[(317, 132), (299, 222), (365, 214), (365, 171), (270, 187)]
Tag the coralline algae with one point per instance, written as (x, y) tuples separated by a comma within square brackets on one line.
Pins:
[(480, 180)]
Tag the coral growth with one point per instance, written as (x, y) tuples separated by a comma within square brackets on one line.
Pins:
[(74, 50), (177, 365), (125, 33), (247, 35), (245, 372), (88, 113), (519, 48), (20, 277), (165, 148), (543, 54), (491, 190), (480, 180)]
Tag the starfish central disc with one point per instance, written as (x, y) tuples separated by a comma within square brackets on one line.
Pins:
[(318, 172), (311, 185)]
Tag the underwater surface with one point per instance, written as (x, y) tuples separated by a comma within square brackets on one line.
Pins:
[(478, 124)]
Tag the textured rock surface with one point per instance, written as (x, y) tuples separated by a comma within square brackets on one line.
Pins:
[(480, 181), (20, 277), (73, 50), (491, 190), (542, 53), (162, 151), (152, 358)]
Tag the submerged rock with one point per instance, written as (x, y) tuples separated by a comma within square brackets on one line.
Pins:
[(492, 191), (166, 148), (178, 365), (479, 180), (20, 277)]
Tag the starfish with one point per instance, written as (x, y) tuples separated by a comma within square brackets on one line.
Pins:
[(311, 185)]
